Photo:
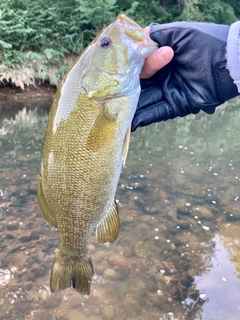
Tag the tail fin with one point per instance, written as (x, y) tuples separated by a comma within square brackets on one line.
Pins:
[(77, 272)]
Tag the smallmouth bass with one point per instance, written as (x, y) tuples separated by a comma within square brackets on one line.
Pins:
[(85, 146)]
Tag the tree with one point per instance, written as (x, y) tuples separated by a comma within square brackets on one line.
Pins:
[(203, 10)]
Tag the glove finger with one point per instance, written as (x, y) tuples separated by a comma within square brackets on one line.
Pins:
[(150, 96), (174, 31), (146, 83), (161, 111)]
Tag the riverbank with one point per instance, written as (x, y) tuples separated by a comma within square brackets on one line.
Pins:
[(42, 92)]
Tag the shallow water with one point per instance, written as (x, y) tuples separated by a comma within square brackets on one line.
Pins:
[(178, 252)]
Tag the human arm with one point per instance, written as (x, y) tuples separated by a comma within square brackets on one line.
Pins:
[(198, 76)]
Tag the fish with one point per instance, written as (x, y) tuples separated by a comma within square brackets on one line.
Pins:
[(85, 146)]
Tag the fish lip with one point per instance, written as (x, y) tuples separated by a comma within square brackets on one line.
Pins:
[(124, 19)]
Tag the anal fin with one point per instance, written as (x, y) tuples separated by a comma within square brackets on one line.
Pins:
[(107, 231)]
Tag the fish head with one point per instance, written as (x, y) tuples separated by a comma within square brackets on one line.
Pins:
[(108, 68), (114, 60), (122, 46)]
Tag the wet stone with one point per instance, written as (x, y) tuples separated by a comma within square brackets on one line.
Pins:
[(233, 214), (94, 310), (142, 249), (140, 293), (112, 274), (127, 251), (23, 193), (167, 307), (31, 261), (48, 246), (108, 312), (28, 285), (170, 246), (187, 282), (25, 238), (197, 231), (151, 286), (32, 189), (9, 236), (27, 276), (152, 211), (184, 225), (34, 235), (30, 236), (161, 299), (203, 213), (15, 202), (13, 225), (52, 302), (42, 315), (92, 247), (88, 317), (183, 209), (123, 288), (173, 290), (118, 260), (125, 271), (138, 202), (130, 309), (39, 271)]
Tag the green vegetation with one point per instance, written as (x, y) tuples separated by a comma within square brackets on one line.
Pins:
[(38, 39)]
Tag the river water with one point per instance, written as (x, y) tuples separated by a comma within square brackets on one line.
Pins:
[(178, 252)]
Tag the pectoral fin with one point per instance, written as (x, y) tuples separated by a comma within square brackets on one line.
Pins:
[(103, 130), (126, 146), (108, 230), (44, 207)]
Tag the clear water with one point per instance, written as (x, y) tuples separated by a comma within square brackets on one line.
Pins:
[(178, 252)]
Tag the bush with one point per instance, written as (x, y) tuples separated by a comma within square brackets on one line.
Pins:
[(38, 37)]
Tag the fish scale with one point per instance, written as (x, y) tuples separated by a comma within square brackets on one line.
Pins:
[(85, 145)]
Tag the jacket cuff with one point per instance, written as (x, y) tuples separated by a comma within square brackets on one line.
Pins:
[(233, 53)]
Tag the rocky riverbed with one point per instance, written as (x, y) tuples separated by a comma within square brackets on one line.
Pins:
[(179, 207)]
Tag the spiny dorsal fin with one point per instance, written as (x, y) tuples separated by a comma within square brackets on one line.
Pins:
[(107, 231), (126, 146)]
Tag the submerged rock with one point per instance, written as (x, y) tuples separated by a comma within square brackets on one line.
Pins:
[(42, 315), (112, 274), (118, 260), (108, 311), (142, 249)]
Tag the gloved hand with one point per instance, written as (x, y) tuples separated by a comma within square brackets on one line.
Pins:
[(196, 78)]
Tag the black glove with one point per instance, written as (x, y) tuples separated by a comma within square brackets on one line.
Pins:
[(196, 78)]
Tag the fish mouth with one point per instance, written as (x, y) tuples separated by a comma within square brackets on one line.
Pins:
[(127, 21), (130, 28), (133, 31)]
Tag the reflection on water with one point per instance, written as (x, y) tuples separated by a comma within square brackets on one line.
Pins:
[(178, 252)]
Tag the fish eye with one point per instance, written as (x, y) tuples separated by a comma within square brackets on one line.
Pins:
[(105, 42)]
